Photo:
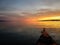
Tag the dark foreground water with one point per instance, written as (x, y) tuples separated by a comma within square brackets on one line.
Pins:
[(11, 38), (19, 38)]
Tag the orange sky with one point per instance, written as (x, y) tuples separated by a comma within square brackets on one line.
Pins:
[(33, 21)]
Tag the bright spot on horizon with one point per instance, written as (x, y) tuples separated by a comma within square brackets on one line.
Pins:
[(48, 22), (50, 18)]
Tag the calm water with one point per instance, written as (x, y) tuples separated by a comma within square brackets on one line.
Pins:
[(27, 35), (49, 24)]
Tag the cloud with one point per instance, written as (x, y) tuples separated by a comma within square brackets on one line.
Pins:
[(6, 5)]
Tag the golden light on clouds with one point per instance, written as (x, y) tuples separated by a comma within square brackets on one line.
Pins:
[(51, 18), (50, 22)]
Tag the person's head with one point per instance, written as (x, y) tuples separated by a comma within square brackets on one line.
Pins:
[(44, 33)]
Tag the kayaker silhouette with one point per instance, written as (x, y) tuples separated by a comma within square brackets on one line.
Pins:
[(45, 39)]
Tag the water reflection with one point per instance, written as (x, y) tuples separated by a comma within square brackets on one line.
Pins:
[(49, 24)]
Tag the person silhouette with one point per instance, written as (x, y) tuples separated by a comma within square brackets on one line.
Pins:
[(45, 39)]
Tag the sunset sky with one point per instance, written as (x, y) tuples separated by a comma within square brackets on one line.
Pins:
[(31, 12)]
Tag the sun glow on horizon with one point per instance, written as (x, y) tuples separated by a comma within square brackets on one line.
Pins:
[(50, 22), (50, 18)]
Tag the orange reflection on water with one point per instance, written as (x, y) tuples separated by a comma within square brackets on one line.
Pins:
[(49, 24)]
